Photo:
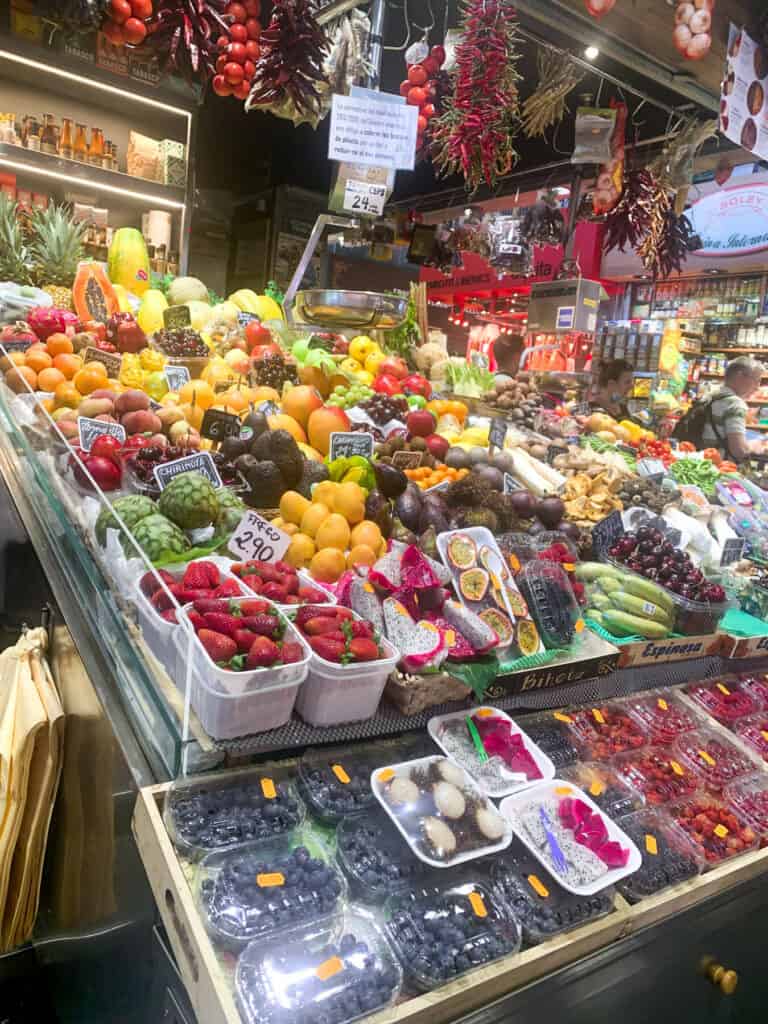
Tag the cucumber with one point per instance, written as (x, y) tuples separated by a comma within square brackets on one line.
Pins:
[(639, 606), (623, 624), (650, 592), (589, 571), (601, 601), (594, 615), (608, 584)]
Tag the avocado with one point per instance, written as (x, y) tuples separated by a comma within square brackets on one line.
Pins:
[(267, 485), (312, 473)]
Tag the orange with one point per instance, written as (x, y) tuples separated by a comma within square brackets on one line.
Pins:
[(19, 377), (367, 533), (49, 380), (313, 517), (48, 405), (86, 380), (292, 507), (59, 345), (333, 532), (12, 359), (66, 394), (280, 421), (68, 364), (38, 360), (96, 367), (300, 551), (199, 393), (237, 400)]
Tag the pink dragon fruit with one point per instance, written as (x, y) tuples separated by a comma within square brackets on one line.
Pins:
[(18, 332), (498, 738), (46, 321)]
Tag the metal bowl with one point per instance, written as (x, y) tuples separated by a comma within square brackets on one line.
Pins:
[(336, 308)]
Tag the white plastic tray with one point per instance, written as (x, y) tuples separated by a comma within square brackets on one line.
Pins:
[(512, 806), (545, 766), (404, 768)]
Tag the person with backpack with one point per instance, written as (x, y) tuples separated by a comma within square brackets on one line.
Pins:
[(720, 420)]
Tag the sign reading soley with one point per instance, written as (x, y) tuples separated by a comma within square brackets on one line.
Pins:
[(732, 221)]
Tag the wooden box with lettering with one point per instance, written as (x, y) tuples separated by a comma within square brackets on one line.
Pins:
[(678, 648), (595, 657)]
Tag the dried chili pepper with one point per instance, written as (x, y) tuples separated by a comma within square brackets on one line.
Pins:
[(184, 34)]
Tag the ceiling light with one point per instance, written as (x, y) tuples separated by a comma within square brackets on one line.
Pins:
[(591, 53), (74, 182)]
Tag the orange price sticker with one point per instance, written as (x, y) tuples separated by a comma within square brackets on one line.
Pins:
[(478, 904), (340, 774), (596, 787), (329, 967), (720, 831), (662, 704), (562, 717), (651, 845), (386, 774), (268, 789), (569, 567), (538, 886), (676, 768), (764, 734), (563, 790), (597, 714), (269, 880), (724, 689), (485, 713), (450, 637), (514, 563), (368, 588), (707, 758), (579, 626)]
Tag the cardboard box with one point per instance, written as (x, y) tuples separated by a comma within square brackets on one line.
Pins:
[(746, 647), (678, 648), (596, 657), (173, 163)]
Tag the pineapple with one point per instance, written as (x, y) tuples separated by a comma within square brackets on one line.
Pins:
[(15, 260), (57, 248)]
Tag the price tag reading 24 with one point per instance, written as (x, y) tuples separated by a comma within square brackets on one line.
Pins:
[(257, 539), (365, 197)]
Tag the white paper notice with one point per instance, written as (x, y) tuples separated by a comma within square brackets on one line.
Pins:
[(366, 131), (744, 96)]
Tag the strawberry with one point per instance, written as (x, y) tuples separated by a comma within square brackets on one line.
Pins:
[(360, 629), (291, 583), (254, 583), (293, 599), (187, 596), (284, 569), (275, 592), (263, 652), (160, 599), (211, 604), (291, 652), (197, 620), (263, 624), (150, 581), (244, 639), (269, 572), (312, 595), (237, 569), (219, 648), (342, 613), (308, 612), (201, 575), (169, 615), (320, 624), (222, 623), (331, 650), (364, 649), (227, 589), (250, 607)]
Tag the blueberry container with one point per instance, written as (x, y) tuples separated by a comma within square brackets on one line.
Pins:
[(547, 591), (549, 731), (261, 889), (231, 808), (441, 930), (669, 857), (662, 715), (541, 905), (333, 974), (374, 857), (335, 782), (610, 793)]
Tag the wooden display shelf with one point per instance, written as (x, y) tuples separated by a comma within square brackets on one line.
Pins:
[(725, 351)]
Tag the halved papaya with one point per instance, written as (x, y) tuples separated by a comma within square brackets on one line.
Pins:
[(93, 294)]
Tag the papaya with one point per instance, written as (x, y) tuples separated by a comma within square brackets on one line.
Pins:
[(123, 301), (92, 293), (129, 260)]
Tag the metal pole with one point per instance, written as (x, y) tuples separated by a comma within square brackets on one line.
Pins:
[(377, 14)]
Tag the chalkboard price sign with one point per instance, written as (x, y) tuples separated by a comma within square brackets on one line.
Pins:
[(733, 549), (177, 317), (176, 376), (606, 533), (497, 435), (90, 429), (218, 424), (407, 460), (111, 361), (199, 462), (347, 443)]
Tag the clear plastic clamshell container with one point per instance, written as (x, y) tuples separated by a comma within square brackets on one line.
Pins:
[(754, 732), (439, 811), (550, 731), (716, 827), (332, 974), (547, 591), (605, 730), (541, 905), (749, 797), (756, 685), (211, 812), (723, 699), (655, 775), (335, 782), (512, 761), (441, 930), (661, 715), (605, 787), (374, 857), (258, 890), (712, 758), (566, 831), (669, 856)]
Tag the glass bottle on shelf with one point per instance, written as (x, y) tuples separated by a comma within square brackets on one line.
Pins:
[(32, 137), (80, 148), (106, 155), (113, 155), (66, 140), (49, 136), (96, 148)]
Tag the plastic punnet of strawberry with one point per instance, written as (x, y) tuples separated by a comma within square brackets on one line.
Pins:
[(243, 634), (336, 634), (278, 582)]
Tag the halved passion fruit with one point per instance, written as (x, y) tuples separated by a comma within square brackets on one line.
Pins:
[(500, 622), (527, 637), (516, 603), (490, 560), (462, 551), (473, 584)]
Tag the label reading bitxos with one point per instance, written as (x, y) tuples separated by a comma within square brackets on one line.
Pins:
[(257, 539), (347, 443), (89, 430), (199, 462)]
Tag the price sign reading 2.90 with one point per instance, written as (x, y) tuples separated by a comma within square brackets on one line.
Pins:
[(257, 539)]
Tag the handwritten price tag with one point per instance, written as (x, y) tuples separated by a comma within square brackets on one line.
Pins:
[(176, 376), (256, 538), (200, 462), (89, 430), (347, 443)]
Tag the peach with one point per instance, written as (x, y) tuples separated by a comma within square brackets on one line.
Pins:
[(93, 407), (104, 393), (141, 421), (68, 428), (105, 418), (169, 415), (132, 400)]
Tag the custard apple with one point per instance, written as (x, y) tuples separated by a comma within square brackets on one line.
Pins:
[(190, 501), (131, 510), (159, 537), (231, 510)]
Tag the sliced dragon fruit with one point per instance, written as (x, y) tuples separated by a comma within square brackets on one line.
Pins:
[(421, 643), (364, 600), (386, 572), (498, 738), (472, 627), (459, 648), (613, 854)]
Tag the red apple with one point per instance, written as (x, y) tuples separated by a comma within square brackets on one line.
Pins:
[(395, 366), (421, 423), (387, 384), (437, 446)]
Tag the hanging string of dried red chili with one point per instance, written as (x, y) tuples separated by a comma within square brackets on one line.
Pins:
[(473, 137), (184, 35)]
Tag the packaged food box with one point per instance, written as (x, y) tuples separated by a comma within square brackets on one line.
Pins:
[(442, 930), (603, 784), (374, 857), (511, 760), (715, 826), (563, 827), (754, 732), (230, 808), (549, 731), (712, 758), (662, 715), (329, 975), (439, 810), (260, 889), (605, 730), (541, 905), (655, 774), (336, 782), (547, 592), (723, 699), (668, 856), (749, 796)]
